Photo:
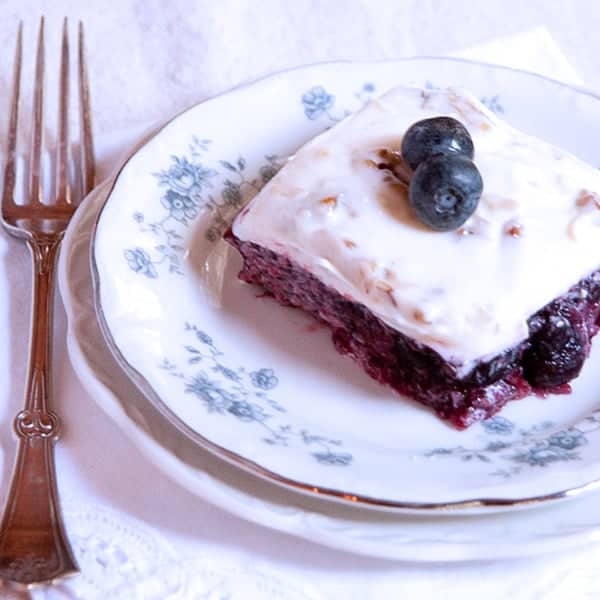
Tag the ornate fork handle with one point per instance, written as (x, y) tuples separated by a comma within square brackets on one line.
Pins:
[(33, 544)]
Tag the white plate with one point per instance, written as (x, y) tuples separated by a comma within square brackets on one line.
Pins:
[(262, 385), (354, 529)]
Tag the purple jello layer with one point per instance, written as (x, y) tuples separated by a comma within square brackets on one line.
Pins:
[(559, 342)]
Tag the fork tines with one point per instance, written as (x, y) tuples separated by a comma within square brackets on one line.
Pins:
[(63, 192)]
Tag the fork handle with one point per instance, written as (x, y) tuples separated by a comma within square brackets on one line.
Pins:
[(33, 544)]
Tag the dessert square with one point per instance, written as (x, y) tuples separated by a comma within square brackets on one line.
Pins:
[(464, 320)]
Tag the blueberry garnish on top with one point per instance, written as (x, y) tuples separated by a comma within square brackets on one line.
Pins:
[(438, 135), (445, 185), (444, 191)]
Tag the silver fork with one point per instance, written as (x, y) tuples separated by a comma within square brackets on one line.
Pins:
[(33, 544)]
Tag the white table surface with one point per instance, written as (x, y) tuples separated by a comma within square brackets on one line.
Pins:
[(148, 60)]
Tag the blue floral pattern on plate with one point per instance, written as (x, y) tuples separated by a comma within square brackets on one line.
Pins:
[(233, 390), (140, 262), (191, 187), (532, 447), (317, 102)]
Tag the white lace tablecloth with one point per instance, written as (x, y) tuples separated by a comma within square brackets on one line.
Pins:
[(137, 534)]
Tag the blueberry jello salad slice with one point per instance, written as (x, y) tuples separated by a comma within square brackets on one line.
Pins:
[(455, 258)]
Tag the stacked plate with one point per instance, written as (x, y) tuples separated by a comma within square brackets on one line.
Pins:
[(248, 404)]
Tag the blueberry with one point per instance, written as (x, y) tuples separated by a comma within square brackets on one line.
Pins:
[(556, 349), (444, 191), (438, 135)]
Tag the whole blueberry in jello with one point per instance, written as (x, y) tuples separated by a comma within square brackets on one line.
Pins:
[(438, 135), (444, 191), (556, 350)]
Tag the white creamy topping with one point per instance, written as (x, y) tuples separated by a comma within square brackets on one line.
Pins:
[(467, 294)]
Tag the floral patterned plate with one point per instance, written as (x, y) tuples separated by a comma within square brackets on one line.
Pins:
[(261, 385)]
